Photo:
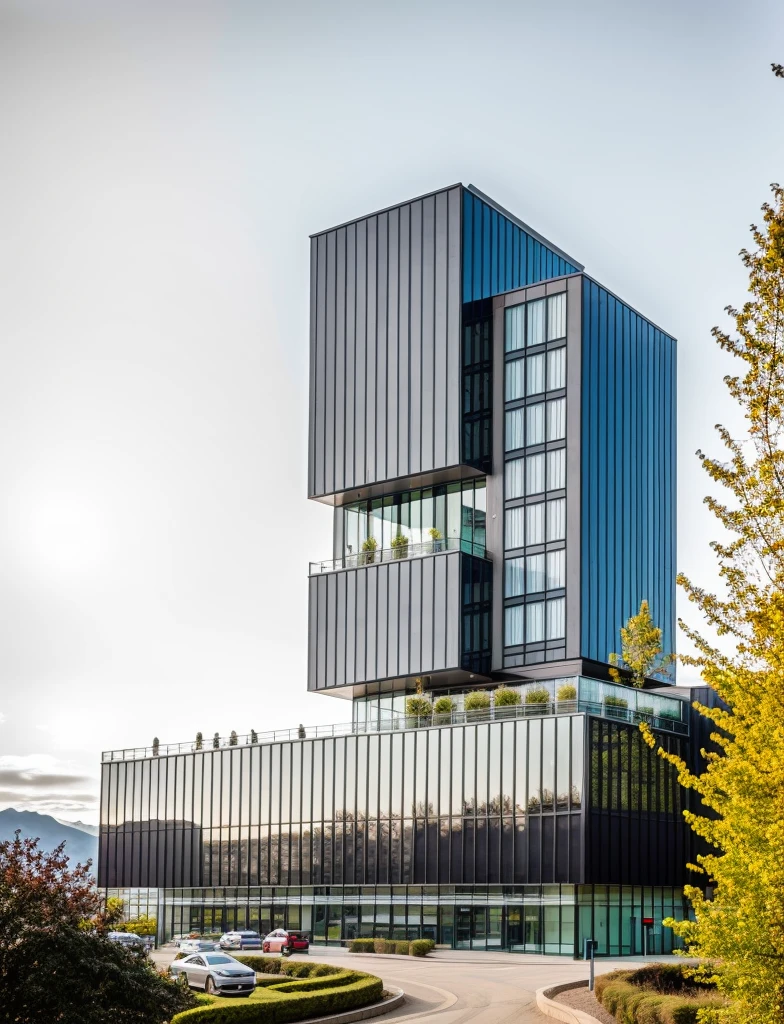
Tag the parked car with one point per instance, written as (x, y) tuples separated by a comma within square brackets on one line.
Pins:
[(215, 973), (240, 940), (127, 939), (282, 941), (198, 946)]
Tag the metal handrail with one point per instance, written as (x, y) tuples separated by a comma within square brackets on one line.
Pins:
[(395, 722), (406, 551)]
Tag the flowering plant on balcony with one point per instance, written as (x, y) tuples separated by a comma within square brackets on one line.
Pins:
[(369, 549), (399, 545), (567, 692), (437, 538)]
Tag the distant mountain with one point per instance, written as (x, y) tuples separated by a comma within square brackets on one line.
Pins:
[(91, 830), (80, 845)]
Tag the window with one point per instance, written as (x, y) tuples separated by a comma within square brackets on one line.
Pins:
[(556, 569), (535, 375), (515, 379), (534, 574), (556, 316), (556, 419), (534, 474), (556, 619), (556, 519), (556, 469), (534, 423), (514, 577), (514, 527), (514, 429), (534, 622), (513, 625), (536, 322), (514, 479), (514, 335), (556, 369), (534, 523)]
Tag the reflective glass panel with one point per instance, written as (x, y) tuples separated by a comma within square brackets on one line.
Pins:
[(556, 316), (556, 569), (514, 526), (514, 479), (556, 419), (514, 585), (556, 618), (556, 519)]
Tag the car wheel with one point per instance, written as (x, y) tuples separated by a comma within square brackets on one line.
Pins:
[(209, 987)]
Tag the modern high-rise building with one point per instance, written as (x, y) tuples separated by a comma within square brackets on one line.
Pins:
[(495, 433)]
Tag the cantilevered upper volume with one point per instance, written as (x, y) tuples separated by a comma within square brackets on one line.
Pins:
[(395, 394)]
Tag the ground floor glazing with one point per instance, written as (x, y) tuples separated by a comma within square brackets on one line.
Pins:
[(554, 919)]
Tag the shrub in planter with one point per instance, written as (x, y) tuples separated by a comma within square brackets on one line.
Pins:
[(437, 538), (616, 702), (660, 994), (402, 947), (399, 545), (477, 700), (384, 945), (361, 946), (421, 947), (566, 692), (369, 550), (506, 697), (645, 709), (537, 695), (444, 706), (418, 707)]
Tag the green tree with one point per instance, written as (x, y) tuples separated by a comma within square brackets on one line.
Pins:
[(54, 970), (641, 654), (739, 922)]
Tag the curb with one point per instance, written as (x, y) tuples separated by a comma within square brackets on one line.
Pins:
[(396, 998), (559, 1011)]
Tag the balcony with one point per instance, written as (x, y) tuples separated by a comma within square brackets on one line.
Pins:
[(402, 553), (669, 715)]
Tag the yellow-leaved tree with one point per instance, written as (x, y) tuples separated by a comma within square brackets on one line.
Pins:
[(739, 915), (641, 654)]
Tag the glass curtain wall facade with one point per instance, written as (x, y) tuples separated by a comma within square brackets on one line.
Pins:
[(535, 479)]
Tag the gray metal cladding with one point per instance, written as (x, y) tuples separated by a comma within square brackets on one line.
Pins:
[(397, 618), (385, 346)]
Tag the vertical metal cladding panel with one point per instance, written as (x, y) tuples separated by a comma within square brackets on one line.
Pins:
[(628, 471), (385, 346), (386, 621)]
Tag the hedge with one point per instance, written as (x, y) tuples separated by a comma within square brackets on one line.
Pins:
[(280, 1005), (362, 946), (421, 947), (654, 994)]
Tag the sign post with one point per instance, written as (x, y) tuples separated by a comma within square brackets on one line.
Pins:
[(590, 948)]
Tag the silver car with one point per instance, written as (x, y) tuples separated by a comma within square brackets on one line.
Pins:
[(198, 946), (216, 973)]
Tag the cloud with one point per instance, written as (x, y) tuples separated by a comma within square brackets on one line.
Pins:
[(40, 782)]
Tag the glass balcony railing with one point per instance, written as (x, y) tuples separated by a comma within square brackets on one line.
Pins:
[(664, 718), (402, 551)]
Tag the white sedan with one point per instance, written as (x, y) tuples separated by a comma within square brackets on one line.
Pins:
[(216, 973)]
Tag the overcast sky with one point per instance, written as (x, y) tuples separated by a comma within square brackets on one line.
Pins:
[(163, 164)]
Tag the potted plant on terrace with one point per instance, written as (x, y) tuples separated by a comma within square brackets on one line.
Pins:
[(436, 538), (399, 545), (505, 700), (477, 700), (615, 707), (418, 707), (369, 550), (537, 695), (566, 692), (444, 707), (199, 741)]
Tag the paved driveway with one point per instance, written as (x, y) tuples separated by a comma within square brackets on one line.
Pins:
[(453, 986)]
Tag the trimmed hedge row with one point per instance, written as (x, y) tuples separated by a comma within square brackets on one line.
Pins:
[(291, 968), (419, 947), (284, 1001), (654, 994)]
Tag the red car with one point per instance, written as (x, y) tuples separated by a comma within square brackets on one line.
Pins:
[(281, 941)]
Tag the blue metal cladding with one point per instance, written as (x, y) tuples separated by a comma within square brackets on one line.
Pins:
[(499, 256), (628, 472)]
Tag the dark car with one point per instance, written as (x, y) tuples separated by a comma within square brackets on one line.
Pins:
[(282, 941), (240, 940)]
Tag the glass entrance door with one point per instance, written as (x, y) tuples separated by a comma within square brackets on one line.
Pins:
[(463, 928)]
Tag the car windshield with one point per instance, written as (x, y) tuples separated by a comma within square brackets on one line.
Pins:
[(219, 960)]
